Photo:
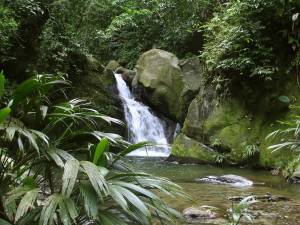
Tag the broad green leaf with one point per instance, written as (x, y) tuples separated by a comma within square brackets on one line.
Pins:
[(24, 90), (4, 113), (103, 146), (69, 176), (26, 203), (2, 84)]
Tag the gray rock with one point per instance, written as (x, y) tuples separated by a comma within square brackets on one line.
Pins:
[(170, 85), (233, 180)]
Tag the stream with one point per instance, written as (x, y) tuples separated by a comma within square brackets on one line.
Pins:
[(265, 213)]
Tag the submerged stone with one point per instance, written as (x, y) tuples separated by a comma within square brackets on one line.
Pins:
[(203, 215), (230, 179)]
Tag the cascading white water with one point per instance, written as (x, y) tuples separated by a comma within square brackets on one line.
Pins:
[(142, 124)]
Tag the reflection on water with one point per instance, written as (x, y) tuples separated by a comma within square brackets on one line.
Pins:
[(277, 213)]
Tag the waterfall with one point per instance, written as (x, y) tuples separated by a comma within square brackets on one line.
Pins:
[(142, 124)]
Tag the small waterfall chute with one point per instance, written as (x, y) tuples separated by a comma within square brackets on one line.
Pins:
[(142, 124)]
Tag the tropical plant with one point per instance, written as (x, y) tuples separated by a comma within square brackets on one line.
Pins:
[(250, 151), (240, 211), (288, 138), (244, 41), (57, 168)]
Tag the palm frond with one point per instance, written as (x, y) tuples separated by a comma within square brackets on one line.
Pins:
[(26, 203), (90, 202), (96, 178), (69, 176)]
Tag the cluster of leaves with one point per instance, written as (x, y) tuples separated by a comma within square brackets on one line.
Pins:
[(241, 212), (288, 139), (246, 38), (56, 167)]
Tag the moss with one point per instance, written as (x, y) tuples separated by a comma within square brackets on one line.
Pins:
[(184, 146)]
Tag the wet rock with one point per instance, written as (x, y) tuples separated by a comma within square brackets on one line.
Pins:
[(230, 179), (127, 75), (203, 215)]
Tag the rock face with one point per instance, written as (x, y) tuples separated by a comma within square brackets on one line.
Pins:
[(231, 129), (168, 87), (233, 180), (214, 129)]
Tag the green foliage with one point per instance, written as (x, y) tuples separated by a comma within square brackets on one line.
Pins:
[(247, 37), (43, 182), (141, 25), (240, 211), (287, 139), (250, 152), (8, 27)]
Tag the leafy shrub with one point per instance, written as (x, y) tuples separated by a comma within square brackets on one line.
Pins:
[(246, 38), (8, 27), (57, 167)]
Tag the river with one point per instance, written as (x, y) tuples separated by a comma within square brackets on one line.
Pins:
[(265, 213)]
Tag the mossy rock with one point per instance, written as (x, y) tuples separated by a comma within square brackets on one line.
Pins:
[(170, 85), (185, 147), (231, 127)]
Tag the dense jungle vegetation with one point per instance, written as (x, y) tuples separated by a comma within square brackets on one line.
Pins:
[(61, 149)]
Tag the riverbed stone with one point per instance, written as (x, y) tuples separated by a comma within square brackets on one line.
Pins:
[(230, 179), (203, 215)]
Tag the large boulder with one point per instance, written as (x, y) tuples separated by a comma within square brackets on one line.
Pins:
[(169, 84)]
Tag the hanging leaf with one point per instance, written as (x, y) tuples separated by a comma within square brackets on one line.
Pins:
[(284, 99)]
